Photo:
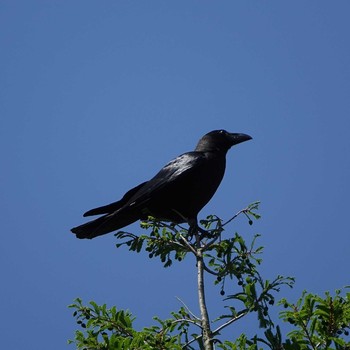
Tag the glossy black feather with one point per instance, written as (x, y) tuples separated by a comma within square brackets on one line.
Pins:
[(110, 208), (176, 193)]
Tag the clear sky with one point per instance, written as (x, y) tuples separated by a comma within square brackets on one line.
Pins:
[(96, 96)]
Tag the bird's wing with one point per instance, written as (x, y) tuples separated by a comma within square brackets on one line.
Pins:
[(127, 210), (175, 171)]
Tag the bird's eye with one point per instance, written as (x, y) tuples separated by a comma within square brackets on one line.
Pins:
[(222, 131)]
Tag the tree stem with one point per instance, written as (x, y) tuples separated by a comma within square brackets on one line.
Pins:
[(206, 331)]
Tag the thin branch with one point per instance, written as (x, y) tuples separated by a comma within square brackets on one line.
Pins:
[(187, 320), (209, 271), (308, 336), (170, 241), (210, 243), (188, 244), (234, 216), (188, 310), (243, 313), (170, 227), (245, 210), (192, 340)]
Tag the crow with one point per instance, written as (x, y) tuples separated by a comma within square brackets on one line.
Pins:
[(176, 194)]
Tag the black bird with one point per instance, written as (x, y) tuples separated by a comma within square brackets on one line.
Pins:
[(177, 193)]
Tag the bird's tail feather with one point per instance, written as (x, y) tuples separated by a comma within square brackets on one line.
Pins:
[(103, 225)]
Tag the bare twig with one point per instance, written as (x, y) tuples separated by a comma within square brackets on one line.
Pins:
[(233, 319), (187, 243), (234, 216), (188, 310), (192, 340), (187, 320)]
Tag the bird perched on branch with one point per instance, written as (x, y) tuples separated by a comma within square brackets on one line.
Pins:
[(177, 193)]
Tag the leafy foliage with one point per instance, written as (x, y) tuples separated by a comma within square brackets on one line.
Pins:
[(319, 323)]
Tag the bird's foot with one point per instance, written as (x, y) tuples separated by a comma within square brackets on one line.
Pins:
[(196, 230)]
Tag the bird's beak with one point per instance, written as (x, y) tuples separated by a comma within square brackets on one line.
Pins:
[(238, 138)]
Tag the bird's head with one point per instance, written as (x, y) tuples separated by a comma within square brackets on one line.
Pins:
[(220, 140)]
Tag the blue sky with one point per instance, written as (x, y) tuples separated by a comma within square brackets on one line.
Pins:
[(95, 97)]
